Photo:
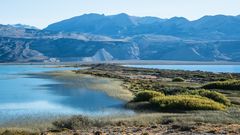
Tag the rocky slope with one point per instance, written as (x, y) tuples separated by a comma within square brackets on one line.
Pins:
[(64, 49), (94, 37)]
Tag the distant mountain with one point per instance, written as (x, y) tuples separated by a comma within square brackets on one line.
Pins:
[(23, 50), (144, 47), (123, 25), (11, 31), (94, 37), (24, 26), (22, 31)]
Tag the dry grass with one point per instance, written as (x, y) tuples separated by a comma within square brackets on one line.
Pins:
[(145, 121), (180, 84), (231, 116), (18, 131)]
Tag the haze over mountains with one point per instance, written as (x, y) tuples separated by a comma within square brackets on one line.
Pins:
[(95, 37)]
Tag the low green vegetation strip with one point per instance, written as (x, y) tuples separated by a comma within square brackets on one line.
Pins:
[(225, 85), (216, 96), (185, 102), (192, 100)]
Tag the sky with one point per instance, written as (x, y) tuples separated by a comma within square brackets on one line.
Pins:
[(41, 13)]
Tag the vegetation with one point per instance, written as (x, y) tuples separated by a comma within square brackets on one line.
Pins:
[(74, 122), (146, 95), (191, 100), (166, 87), (216, 96), (225, 85), (172, 90), (146, 84), (17, 132), (178, 79), (186, 102), (115, 71)]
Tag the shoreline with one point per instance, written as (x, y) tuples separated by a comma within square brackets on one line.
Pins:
[(130, 62), (112, 87)]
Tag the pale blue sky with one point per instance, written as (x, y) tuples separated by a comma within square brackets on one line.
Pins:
[(40, 13)]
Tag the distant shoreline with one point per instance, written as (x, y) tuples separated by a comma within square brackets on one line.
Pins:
[(131, 62)]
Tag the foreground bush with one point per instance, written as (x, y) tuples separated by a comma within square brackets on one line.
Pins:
[(74, 122), (216, 96), (185, 102), (178, 79), (225, 85), (146, 95), (16, 132)]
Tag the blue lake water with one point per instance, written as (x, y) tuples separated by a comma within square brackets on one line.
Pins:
[(208, 68), (24, 96)]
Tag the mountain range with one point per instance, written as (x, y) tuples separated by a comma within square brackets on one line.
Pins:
[(95, 37), (122, 25)]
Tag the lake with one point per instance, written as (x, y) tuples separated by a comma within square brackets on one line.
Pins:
[(208, 68), (24, 96)]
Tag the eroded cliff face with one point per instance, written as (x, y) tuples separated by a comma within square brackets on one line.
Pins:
[(27, 50), (30, 50), (16, 50)]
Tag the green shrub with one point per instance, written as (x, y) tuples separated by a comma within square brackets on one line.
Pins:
[(222, 79), (146, 95), (74, 122), (225, 85), (216, 96), (185, 102), (178, 79)]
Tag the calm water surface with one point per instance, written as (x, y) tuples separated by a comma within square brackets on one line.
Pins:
[(209, 68), (24, 96)]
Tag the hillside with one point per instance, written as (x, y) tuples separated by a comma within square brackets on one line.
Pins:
[(123, 25), (94, 37)]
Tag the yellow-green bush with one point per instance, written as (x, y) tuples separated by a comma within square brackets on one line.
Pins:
[(178, 79), (216, 96), (185, 102), (225, 85), (146, 95)]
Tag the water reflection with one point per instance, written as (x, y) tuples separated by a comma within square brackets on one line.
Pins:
[(83, 98), (28, 96)]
